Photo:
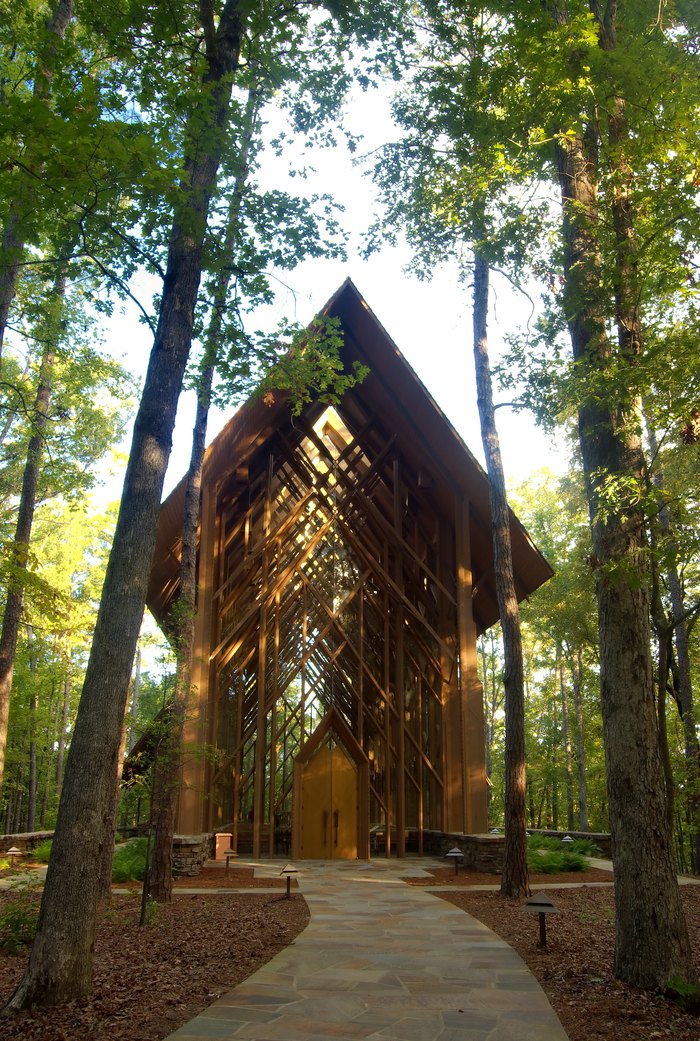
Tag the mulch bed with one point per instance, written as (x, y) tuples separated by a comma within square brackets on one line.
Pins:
[(150, 981), (237, 878), (446, 877), (575, 970)]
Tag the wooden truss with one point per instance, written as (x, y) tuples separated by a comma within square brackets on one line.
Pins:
[(337, 592), (345, 566)]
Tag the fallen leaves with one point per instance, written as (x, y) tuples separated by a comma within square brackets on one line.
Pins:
[(150, 981), (575, 970)]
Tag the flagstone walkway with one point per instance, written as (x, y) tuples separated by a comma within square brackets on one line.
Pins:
[(384, 961)]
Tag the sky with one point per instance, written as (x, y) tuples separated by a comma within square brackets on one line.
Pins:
[(430, 321)]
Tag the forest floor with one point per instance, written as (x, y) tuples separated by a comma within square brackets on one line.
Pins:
[(149, 981)]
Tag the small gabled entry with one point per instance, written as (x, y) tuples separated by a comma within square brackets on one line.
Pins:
[(329, 805), (330, 787)]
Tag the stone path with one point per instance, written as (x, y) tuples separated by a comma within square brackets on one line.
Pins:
[(384, 961)]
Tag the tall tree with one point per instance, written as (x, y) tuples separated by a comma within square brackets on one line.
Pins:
[(25, 516), (514, 879), (566, 99), (60, 966), (61, 959), (19, 211)]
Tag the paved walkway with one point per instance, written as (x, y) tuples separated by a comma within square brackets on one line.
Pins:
[(384, 961)]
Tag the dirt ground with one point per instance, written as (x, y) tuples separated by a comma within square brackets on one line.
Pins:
[(150, 981)]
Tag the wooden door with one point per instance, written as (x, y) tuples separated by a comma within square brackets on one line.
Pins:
[(329, 805)]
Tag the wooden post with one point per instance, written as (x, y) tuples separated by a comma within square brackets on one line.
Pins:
[(453, 750), (398, 675), (259, 779), (273, 729), (193, 811), (471, 689)]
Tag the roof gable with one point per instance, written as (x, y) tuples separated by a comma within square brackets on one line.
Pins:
[(394, 394)]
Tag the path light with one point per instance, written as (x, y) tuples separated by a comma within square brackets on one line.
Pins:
[(12, 854), (288, 871), (495, 831), (567, 839), (455, 853), (540, 904)]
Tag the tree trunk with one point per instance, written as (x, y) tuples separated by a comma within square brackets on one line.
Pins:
[(25, 517), (514, 880), (31, 801), (488, 729), (60, 965), (169, 753), (680, 631), (135, 691), (60, 754), (13, 235), (48, 765), (167, 776), (576, 674), (105, 881), (566, 735), (651, 939)]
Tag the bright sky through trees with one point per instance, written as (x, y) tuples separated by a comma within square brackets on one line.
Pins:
[(429, 321)]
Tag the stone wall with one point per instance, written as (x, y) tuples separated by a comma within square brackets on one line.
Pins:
[(26, 841), (481, 852), (486, 852), (190, 852)]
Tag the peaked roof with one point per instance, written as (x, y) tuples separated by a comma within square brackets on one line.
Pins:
[(392, 391)]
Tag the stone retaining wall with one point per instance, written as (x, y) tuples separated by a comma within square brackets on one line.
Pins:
[(486, 852), (26, 841), (190, 852), (481, 852)]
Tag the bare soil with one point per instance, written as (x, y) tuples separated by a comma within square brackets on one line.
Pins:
[(150, 981)]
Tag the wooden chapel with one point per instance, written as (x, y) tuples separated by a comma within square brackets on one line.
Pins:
[(344, 571)]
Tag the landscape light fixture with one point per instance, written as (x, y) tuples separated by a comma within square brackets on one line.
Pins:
[(12, 853), (288, 870), (455, 853), (540, 904)]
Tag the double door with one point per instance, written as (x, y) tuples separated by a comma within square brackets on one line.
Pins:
[(329, 793)]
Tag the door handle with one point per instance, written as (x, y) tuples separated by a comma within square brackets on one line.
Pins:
[(335, 826)]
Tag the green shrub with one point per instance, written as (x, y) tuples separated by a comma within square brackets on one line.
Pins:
[(129, 861), (586, 846), (42, 852), (18, 919), (552, 862), (544, 842)]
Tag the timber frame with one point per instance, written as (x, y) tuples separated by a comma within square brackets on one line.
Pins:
[(345, 569)]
